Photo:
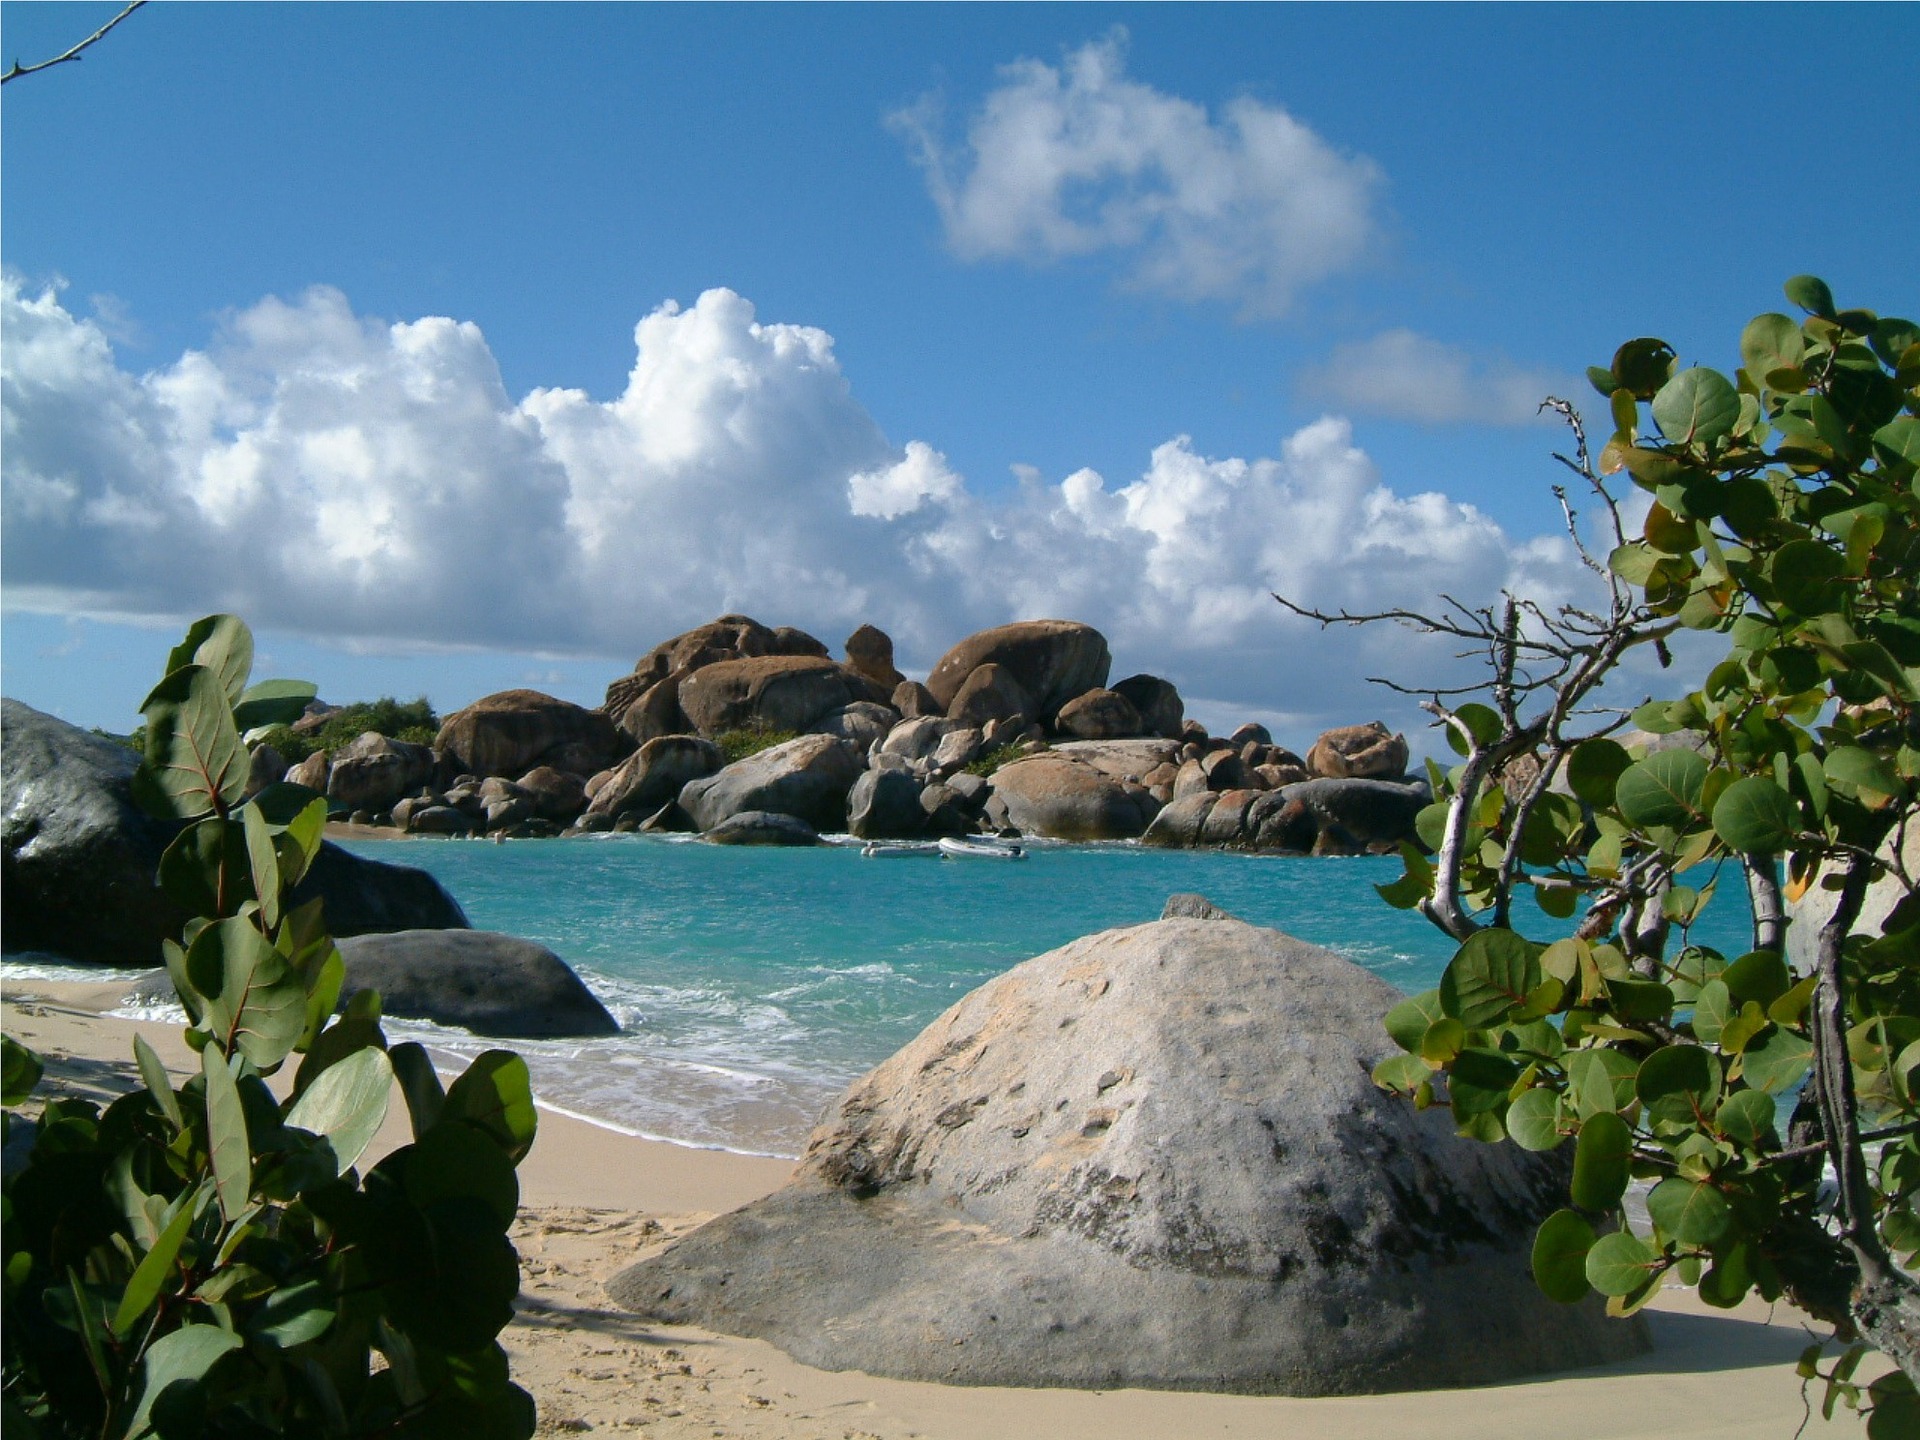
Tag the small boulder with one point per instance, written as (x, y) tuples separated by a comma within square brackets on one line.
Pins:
[(989, 695), (371, 772), (655, 774), (912, 700), (862, 722), (1099, 715), (266, 766), (556, 795), (762, 827), (956, 750), (870, 655), (808, 777), (1053, 660), (479, 980), (311, 772), (1250, 734), (885, 805), (1367, 751), (655, 711), (915, 740), (1158, 703)]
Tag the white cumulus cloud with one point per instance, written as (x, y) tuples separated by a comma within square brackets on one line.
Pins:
[(1409, 376), (1246, 207), (373, 483)]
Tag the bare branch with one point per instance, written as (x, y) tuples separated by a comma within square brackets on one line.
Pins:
[(74, 54)]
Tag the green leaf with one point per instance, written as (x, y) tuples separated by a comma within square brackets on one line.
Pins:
[(1679, 1084), (1593, 769), (1642, 366), (1399, 1074), (1760, 976), (224, 645), (1805, 574), (1620, 1263), (1771, 342), (346, 1103), (262, 864), (1493, 972), (1692, 1212), (496, 1093), (1600, 1164), (1560, 1249), (1662, 790), (182, 1357), (1811, 294), (1747, 1117), (159, 1084), (253, 1002), (228, 1151), (1856, 773), (1600, 1081), (20, 1071), (1534, 1120), (1479, 1081), (459, 1162), (1482, 722), (204, 869), (1413, 886), (273, 702), (425, 1098), (294, 1314), (195, 762), (1697, 407), (152, 1271), (1754, 816), (1776, 1064), (1408, 1021)]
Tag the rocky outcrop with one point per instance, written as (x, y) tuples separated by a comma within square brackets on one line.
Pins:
[(807, 778), (870, 656), (862, 723), (770, 692), (1151, 1158), (1053, 660), (912, 700), (515, 731), (1057, 796), (885, 805), (1361, 751), (79, 857), (479, 980), (990, 693), (655, 774), (1352, 816), (1234, 820), (371, 772)]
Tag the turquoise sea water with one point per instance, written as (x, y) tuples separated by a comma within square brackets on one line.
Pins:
[(752, 984)]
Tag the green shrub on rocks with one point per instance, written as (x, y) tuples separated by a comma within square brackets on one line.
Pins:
[(207, 1259), (412, 721), (1784, 516), (751, 740)]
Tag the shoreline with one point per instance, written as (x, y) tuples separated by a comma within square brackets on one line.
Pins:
[(595, 1199)]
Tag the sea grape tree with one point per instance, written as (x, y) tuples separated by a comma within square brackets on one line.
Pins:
[(207, 1259), (1782, 517)]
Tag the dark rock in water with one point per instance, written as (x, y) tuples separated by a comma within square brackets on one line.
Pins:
[(80, 857), (1366, 812), (885, 805), (1188, 906), (1153, 1157), (480, 980), (762, 827)]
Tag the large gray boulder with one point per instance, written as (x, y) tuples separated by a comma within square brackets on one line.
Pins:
[(1362, 813), (513, 731), (1361, 751), (1053, 661), (79, 857), (772, 692), (807, 778), (1153, 1157), (480, 980), (655, 774), (1067, 799), (372, 772)]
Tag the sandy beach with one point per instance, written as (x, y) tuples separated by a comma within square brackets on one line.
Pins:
[(594, 1200)]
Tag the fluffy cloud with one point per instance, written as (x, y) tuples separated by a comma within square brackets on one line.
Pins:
[(1246, 208), (1408, 376), (338, 476)]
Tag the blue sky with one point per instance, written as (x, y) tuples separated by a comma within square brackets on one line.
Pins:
[(327, 314)]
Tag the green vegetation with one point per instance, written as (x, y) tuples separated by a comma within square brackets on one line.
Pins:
[(412, 721), (1785, 517), (989, 761), (751, 740), (207, 1260)]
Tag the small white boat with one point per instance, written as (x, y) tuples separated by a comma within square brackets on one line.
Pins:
[(981, 849), (875, 850)]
